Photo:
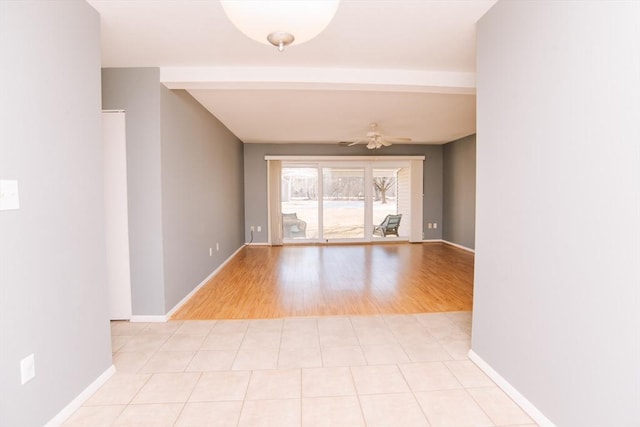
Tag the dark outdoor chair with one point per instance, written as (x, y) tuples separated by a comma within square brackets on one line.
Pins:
[(292, 226), (388, 226)]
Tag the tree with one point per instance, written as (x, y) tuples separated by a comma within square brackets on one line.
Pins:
[(382, 185)]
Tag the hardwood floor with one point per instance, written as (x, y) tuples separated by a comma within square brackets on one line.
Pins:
[(402, 278)]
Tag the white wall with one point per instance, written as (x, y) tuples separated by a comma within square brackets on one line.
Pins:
[(116, 215), (557, 279), (52, 251)]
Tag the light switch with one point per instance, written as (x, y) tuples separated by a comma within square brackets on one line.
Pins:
[(9, 198), (28, 368)]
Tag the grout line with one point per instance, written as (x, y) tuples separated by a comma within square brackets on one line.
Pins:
[(244, 398), (397, 340), (355, 387), (319, 344), (413, 394), (235, 357), (453, 373), (237, 350), (301, 397), (130, 402), (478, 404), (188, 397), (191, 360), (280, 345)]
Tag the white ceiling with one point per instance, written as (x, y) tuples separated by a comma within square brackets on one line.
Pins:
[(408, 65)]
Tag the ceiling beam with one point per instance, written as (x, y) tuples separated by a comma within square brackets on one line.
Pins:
[(349, 79)]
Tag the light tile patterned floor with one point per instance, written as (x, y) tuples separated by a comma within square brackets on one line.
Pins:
[(398, 370)]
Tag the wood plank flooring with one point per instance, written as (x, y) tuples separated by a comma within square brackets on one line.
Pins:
[(270, 282)]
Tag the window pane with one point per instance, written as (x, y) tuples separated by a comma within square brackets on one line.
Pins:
[(299, 197), (343, 203), (390, 197)]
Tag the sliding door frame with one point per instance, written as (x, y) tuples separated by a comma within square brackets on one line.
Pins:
[(368, 163)]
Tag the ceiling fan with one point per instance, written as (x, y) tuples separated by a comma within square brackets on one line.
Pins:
[(375, 139)]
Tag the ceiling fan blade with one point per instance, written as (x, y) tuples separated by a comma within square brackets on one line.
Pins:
[(397, 139), (372, 145), (385, 142), (353, 142)]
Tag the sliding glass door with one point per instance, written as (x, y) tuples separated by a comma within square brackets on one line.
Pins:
[(341, 201), (391, 202), (299, 203)]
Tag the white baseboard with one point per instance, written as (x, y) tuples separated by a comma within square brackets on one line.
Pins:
[(76, 403), (144, 318), (258, 244), (511, 391), (459, 246), (449, 243), (204, 282)]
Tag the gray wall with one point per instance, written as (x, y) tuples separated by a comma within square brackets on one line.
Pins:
[(558, 187), (459, 198), (52, 251), (202, 193), (137, 91), (185, 183), (255, 178)]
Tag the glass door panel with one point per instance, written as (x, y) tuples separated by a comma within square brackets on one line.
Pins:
[(343, 203), (390, 197), (299, 203)]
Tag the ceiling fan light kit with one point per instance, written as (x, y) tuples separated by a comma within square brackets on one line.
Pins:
[(280, 22)]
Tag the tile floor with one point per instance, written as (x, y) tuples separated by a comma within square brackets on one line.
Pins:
[(396, 370)]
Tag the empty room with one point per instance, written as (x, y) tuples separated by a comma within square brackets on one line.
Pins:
[(319, 213)]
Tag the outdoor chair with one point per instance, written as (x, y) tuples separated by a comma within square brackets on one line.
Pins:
[(292, 226), (388, 226)]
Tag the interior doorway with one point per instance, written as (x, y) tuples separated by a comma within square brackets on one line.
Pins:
[(116, 214)]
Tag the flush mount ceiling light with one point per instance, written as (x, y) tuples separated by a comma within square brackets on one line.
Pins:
[(280, 22)]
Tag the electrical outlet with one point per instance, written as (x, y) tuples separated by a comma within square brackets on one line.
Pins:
[(435, 225), (259, 229), (253, 228), (9, 198), (430, 225), (27, 368)]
